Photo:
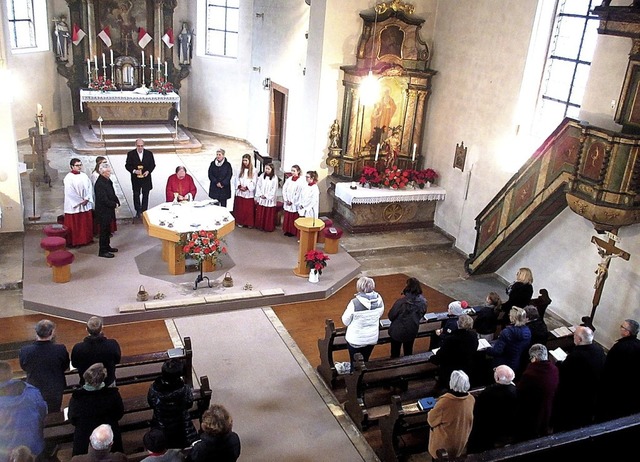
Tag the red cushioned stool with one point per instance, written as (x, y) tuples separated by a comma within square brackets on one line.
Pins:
[(56, 230), (328, 222), (51, 244), (60, 261), (332, 237)]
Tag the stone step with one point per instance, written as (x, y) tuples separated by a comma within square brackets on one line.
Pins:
[(391, 243)]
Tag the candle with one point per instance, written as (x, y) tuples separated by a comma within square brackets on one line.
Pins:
[(95, 60), (39, 109), (165, 70), (111, 53), (159, 64), (377, 151), (89, 67), (151, 61), (143, 57), (104, 61), (413, 156)]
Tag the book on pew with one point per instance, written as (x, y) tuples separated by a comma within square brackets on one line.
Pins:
[(562, 332), (175, 352), (436, 316), (483, 344), (424, 404), (385, 323), (559, 354)]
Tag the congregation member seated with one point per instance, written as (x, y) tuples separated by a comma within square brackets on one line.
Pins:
[(486, 321), (519, 292), (171, 400), (512, 342), (580, 375), (494, 414), (536, 391), (457, 351), (155, 442), (537, 326), (100, 450), (620, 373), (455, 309), (405, 316), (451, 418), (180, 186), (92, 405), (217, 441)]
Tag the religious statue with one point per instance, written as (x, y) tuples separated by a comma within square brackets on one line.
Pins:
[(185, 44), (603, 266), (334, 134), (61, 38), (393, 147)]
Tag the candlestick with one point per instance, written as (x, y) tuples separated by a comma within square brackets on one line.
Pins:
[(413, 156), (377, 151), (165, 70), (111, 53)]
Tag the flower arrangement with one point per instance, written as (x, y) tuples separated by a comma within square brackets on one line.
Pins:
[(204, 245), (161, 86), (370, 175), (395, 178), (316, 260), (101, 84), (420, 177)]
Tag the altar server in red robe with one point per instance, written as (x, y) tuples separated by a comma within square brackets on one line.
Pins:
[(78, 203), (266, 192), (180, 186), (245, 187), (291, 198)]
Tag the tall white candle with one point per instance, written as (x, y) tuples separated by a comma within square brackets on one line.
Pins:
[(95, 60), (111, 53), (413, 156), (89, 67), (159, 64), (165, 70), (151, 61), (377, 151), (143, 57), (38, 109)]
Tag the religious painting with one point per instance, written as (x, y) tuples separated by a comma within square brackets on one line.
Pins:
[(460, 156), (391, 39), (524, 192), (124, 18), (593, 162), (489, 228), (383, 120), (564, 153)]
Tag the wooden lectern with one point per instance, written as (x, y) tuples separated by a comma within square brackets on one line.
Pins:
[(309, 228)]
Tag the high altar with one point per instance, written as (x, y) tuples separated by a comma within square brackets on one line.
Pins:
[(386, 131)]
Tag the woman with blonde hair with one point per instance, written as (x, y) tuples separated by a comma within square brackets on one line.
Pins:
[(519, 292), (245, 186), (217, 440), (512, 342)]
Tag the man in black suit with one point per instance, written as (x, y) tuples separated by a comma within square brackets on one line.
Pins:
[(106, 202), (140, 164)]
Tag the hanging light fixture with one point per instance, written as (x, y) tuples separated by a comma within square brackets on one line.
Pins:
[(370, 85)]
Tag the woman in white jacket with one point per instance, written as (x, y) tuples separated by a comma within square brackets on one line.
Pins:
[(361, 317), (266, 191), (245, 186)]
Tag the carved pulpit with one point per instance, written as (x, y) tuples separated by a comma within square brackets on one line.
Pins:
[(388, 130)]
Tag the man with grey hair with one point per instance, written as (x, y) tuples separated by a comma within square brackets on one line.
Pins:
[(580, 375), (536, 391), (45, 363), (96, 348), (101, 440), (105, 209), (494, 415), (619, 395), (140, 163)]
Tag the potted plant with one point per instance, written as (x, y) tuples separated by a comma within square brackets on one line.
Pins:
[(316, 261), (370, 176), (204, 246), (395, 178)]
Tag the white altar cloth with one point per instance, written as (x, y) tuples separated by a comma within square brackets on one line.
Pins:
[(363, 195), (93, 96)]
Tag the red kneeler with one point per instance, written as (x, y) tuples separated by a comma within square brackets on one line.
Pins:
[(51, 244), (60, 261), (332, 237)]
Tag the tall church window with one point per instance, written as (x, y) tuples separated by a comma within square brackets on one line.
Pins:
[(571, 48), (27, 21), (223, 18)]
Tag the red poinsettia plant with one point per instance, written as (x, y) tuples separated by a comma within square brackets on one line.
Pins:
[(370, 175), (395, 178), (316, 260), (101, 84), (422, 176), (204, 245), (161, 86)]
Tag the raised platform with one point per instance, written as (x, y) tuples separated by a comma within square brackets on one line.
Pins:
[(121, 137)]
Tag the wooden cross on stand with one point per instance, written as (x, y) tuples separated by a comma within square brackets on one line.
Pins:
[(607, 250)]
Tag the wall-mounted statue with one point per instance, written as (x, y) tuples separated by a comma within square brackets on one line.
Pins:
[(61, 38), (185, 44)]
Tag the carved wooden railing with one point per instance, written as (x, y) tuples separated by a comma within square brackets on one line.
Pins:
[(594, 171)]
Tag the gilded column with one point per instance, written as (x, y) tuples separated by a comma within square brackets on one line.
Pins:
[(157, 29)]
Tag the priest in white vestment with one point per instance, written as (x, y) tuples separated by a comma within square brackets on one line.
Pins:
[(78, 203)]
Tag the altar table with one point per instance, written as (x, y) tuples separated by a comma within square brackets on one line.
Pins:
[(375, 209), (169, 222), (128, 105)]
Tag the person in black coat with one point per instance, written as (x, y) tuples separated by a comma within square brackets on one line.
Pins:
[(96, 348), (106, 203), (580, 375), (45, 363), (457, 351), (537, 326), (217, 441), (494, 413), (486, 321), (620, 380), (405, 316), (93, 405), (140, 163), (220, 173), (171, 400), (519, 292)]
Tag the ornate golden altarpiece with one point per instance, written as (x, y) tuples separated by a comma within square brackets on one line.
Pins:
[(391, 48)]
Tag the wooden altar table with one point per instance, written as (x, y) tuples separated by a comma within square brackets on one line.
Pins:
[(363, 210), (128, 105), (184, 217)]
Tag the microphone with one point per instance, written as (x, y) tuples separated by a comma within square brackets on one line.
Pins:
[(313, 213)]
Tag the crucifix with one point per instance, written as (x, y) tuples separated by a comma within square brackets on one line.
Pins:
[(607, 250)]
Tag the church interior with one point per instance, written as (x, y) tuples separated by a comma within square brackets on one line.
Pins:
[(465, 89)]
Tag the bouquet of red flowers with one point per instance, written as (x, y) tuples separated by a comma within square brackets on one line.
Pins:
[(316, 260), (101, 84), (204, 245), (161, 86), (395, 178), (420, 177), (370, 175)]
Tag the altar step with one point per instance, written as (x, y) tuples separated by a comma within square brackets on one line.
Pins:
[(160, 138)]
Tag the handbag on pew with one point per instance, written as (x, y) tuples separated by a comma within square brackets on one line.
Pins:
[(227, 281), (142, 295)]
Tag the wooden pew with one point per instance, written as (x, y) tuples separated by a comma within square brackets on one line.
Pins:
[(334, 340), (137, 415), (377, 375)]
